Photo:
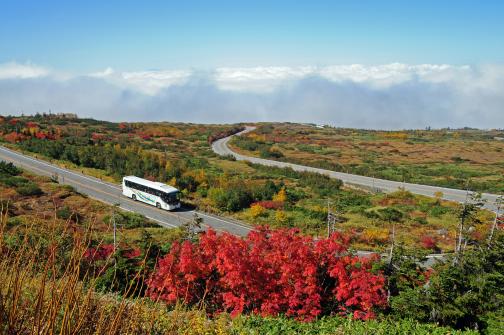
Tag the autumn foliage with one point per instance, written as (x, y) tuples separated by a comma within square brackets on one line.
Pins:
[(269, 273), (269, 204)]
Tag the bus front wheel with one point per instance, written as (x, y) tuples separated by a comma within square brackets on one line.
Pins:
[(158, 205), (133, 197)]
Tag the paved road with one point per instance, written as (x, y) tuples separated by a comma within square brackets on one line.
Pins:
[(221, 147), (112, 194)]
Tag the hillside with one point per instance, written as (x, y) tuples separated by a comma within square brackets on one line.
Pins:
[(179, 154), (65, 275), (455, 158)]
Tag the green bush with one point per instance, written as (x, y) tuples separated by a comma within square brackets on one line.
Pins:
[(29, 188), (129, 220), (13, 181), (231, 200), (66, 213), (9, 169), (338, 325), (468, 293), (270, 153)]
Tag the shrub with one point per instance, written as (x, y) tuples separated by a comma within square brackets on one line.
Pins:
[(269, 273), (270, 153), (268, 204), (14, 181), (428, 242), (64, 213), (9, 169), (231, 200), (29, 189), (266, 191), (280, 217), (281, 196), (464, 294), (256, 210), (130, 220)]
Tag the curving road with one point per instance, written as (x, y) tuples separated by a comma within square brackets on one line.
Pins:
[(221, 147), (112, 194)]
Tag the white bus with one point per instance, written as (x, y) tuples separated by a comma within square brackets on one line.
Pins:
[(154, 193)]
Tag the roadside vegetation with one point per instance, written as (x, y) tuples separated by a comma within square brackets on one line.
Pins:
[(63, 273), (180, 155), (455, 158)]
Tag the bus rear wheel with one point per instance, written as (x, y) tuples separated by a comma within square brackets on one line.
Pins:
[(133, 197), (158, 205)]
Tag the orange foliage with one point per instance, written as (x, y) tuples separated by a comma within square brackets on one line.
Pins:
[(14, 137)]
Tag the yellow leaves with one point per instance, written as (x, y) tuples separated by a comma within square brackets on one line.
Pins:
[(280, 217), (172, 182), (224, 180), (257, 138), (257, 210), (280, 196), (378, 235), (168, 166), (200, 176)]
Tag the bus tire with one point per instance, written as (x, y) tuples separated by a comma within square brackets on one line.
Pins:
[(133, 197), (158, 205)]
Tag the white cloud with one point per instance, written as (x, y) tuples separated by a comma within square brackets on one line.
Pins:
[(259, 79), (382, 96), (103, 74), (14, 70)]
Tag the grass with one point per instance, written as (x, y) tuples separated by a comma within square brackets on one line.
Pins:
[(447, 158), (49, 287), (44, 295), (179, 154)]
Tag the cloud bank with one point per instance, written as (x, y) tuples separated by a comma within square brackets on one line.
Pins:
[(390, 96)]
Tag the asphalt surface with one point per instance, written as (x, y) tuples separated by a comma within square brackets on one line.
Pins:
[(221, 147), (112, 194)]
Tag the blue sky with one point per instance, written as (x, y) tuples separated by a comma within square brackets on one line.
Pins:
[(141, 35), (360, 63)]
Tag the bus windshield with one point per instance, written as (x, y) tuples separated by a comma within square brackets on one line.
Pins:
[(171, 198)]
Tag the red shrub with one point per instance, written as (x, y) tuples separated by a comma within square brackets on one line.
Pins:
[(30, 124), (269, 273), (100, 253), (14, 137), (40, 135), (269, 204), (132, 253), (97, 136), (428, 242)]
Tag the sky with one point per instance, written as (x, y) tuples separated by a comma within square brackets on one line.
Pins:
[(373, 64)]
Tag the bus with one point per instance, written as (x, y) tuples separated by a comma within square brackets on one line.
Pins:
[(154, 193)]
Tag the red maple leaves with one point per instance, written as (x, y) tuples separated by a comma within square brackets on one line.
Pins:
[(269, 273)]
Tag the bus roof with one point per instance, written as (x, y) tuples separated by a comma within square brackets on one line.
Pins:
[(154, 184)]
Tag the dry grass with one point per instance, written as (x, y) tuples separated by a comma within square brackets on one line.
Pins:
[(46, 290)]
